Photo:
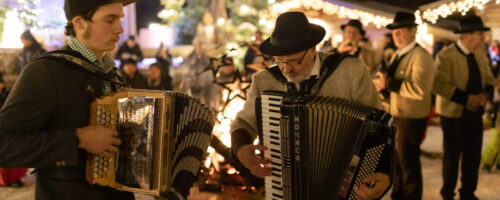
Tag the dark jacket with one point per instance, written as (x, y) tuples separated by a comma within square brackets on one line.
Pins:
[(38, 123), (138, 82)]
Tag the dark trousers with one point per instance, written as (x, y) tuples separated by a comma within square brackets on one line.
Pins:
[(408, 175), (462, 136)]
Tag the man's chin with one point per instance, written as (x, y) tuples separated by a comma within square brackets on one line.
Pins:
[(294, 79)]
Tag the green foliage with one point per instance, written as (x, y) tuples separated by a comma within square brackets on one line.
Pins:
[(28, 13), (3, 11), (190, 14), (171, 12)]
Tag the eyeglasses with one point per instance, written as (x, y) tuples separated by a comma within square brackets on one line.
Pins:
[(291, 62)]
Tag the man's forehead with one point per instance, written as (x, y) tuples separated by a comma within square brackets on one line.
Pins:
[(291, 56), (111, 10)]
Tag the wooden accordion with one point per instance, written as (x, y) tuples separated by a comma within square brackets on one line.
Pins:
[(321, 147), (164, 139)]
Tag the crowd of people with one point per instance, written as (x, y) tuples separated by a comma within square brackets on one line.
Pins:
[(45, 119)]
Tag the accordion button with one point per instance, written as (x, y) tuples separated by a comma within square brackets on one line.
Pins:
[(98, 118), (96, 158), (99, 107), (108, 118), (105, 169), (107, 113), (95, 175), (98, 113)]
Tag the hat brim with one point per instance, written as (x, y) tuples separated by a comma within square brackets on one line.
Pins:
[(127, 2), (472, 30), (124, 2), (318, 33), (396, 26)]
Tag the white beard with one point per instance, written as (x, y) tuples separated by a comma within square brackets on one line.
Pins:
[(296, 79)]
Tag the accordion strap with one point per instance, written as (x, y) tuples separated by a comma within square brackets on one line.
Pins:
[(68, 56), (329, 66)]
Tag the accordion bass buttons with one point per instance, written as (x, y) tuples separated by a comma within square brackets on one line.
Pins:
[(104, 117)]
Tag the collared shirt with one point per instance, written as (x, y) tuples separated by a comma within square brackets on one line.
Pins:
[(314, 71), (463, 48), (105, 65), (406, 49)]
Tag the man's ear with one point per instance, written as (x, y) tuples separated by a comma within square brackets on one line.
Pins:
[(78, 22)]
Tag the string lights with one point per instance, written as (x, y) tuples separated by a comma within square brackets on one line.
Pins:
[(461, 6), (332, 9)]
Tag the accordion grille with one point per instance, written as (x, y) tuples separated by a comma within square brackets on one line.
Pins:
[(192, 133)]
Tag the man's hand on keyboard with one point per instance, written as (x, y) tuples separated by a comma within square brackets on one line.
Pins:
[(258, 166), (374, 186)]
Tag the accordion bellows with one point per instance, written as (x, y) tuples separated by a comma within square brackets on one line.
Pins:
[(164, 139), (320, 147)]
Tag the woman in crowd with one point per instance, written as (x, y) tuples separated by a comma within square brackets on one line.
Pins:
[(155, 80)]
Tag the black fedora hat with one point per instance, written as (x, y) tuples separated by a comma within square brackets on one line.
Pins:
[(292, 34), (356, 24), (73, 8), (471, 24), (402, 19)]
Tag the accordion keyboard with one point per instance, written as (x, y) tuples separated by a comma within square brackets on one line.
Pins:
[(102, 164), (271, 139)]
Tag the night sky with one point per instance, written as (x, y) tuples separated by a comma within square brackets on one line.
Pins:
[(147, 12)]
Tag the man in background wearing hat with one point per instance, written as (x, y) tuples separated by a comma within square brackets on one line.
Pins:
[(463, 85), (44, 123), (353, 33), (407, 87), (298, 67)]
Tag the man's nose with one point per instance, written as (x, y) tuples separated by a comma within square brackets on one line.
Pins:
[(286, 68)]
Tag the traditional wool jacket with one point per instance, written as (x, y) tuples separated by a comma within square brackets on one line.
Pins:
[(452, 78), (410, 90)]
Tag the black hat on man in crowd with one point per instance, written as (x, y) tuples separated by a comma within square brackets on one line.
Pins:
[(292, 34), (471, 24), (401, 20), (356, 24)]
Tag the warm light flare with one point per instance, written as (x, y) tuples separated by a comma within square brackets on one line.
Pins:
[(331, 9), (461, 6)]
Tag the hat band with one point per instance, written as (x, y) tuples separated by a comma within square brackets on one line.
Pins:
[(404, 23), (290, 42), (471, 27)]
